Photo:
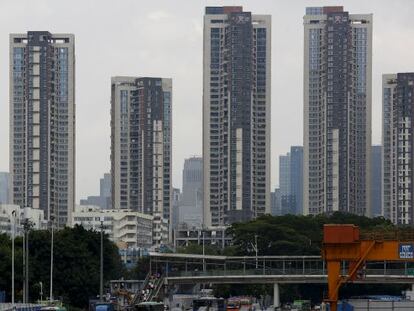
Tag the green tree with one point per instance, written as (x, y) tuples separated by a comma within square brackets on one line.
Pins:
[(76, 264)]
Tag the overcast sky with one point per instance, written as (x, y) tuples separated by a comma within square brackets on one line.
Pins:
[(164, 39)]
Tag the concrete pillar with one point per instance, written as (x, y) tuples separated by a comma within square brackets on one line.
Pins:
[(276, 295)]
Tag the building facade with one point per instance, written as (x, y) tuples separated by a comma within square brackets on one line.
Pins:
[(397, 139), (376, 180), (5, 190), (126, 226), (296, 179), (337, 111), (141, 146), (42, 122), (291, 181), (14, 217), (191, 203), (236, 115)]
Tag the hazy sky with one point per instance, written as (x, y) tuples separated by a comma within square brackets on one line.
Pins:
[(164, 39)]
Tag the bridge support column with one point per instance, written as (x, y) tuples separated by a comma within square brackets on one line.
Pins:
[(276, 295)]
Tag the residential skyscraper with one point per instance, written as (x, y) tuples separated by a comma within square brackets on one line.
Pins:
[(397, 139), (236, 115), (141, 147), (376, 180), (337, 111), (42, 123)]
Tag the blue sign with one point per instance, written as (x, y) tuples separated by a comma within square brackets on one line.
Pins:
[(406, 251)]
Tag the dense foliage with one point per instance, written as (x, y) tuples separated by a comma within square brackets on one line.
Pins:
[(294, 235), (76, 264), (297, 235)]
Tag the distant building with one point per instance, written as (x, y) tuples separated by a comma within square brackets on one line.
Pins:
[(103, 200), (141, 148), (175, 212), (398, 147), (376, 181), (191, 204), (216, 236), (5, 191), (337, 111), (42, 123), (236, 115), (291, 181), (132, 228), (296, 179), (34, 216), (105, 186), (276, 202)]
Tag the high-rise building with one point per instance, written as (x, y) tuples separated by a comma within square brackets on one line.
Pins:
[(284, 184), (103, 200), (397, 139), (296, 179), (42, 122), (337, 111), (105, 186), (284, 174), (191, 205), (376, 180), (291, 181), (236, 115), (5, 188), (175, 206), (141, 147), (276, 204)]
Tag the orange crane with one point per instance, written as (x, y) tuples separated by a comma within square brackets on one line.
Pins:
[(342, 243)]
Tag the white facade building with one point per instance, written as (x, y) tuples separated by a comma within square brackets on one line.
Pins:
[(34, 216), (133, 228)]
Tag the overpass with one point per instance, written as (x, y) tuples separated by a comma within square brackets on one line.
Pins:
[(200, 269)]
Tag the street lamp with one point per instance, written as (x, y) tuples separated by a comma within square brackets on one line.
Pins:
[(101, 270), (51, 259), (13, 220)]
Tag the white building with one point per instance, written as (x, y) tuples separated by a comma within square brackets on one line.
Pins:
[(34, 216), (133, 228)]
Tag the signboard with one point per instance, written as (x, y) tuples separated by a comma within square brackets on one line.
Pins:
[(406, 251)]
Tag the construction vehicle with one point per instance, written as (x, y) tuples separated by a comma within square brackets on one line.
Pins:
[(343, 244)]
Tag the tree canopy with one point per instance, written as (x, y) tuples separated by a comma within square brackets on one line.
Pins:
[(293, 235), (76, 264)]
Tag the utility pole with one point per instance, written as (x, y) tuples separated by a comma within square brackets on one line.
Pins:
[(101, 270)]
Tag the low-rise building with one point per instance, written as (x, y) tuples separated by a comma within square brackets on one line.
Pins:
[(185, 235), (133, 228), (35, 217)]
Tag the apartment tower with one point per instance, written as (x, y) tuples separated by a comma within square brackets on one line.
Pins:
[(397, 139), (42, 123), (337, 111), (236, 115), (141, 148)]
